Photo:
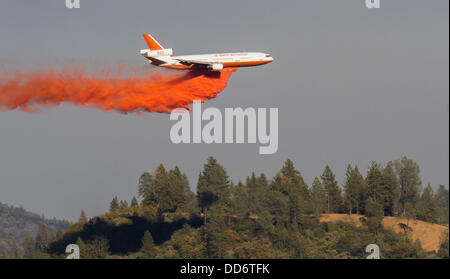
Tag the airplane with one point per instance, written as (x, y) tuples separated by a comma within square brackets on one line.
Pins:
[(160, 56)]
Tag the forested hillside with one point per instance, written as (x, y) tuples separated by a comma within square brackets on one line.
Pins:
[(264, 218), (17, 225), (430, 235)]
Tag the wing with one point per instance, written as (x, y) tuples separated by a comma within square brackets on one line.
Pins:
[(195, 62), (198, 64)]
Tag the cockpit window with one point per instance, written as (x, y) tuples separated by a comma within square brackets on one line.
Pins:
[(268, 55)]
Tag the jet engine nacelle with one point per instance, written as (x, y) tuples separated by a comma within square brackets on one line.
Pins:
[(156, 53), (216, 67)]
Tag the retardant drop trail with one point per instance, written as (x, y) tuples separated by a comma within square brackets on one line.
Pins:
[(150, 91)]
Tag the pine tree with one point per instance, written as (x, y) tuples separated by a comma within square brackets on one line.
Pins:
[(332, 191), (217, 241), (374, 179), (374, 210), (42, 238), (361, 187), (351, 195), (355, 188), (290, 182), (82, 247), (15, 251), (148, 250), (96, 248), (443, 252), (318, 197), (82, 217), (428, 208), (262, 181), (164, 189), (348, 190), (213, 187), (443, 202), (392, 190), (59, 233), (408, 173), (134, 201), (114, 205), (251, 182), (180, 189), (144, 186), (190, 203), (123, 204), (29, 248)]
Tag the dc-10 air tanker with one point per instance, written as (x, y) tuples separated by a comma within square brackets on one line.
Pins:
[(160, 56)]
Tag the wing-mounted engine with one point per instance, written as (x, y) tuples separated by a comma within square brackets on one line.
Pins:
[(215, 67)]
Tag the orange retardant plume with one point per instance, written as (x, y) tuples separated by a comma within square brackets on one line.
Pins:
[(149, 90)]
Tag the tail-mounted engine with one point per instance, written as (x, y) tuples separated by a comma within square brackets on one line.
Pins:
[(156, 53)]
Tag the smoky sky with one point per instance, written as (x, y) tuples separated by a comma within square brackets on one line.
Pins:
[(352, 86)]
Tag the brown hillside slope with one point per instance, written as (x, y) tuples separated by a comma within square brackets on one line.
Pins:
[(430, 235)]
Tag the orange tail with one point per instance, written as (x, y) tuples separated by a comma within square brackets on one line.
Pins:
[(152, 43)]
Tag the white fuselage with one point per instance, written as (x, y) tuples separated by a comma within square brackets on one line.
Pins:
[(160, 56), (238, 59)]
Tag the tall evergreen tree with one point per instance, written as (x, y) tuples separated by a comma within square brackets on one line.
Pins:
[(189, 203), (349, 199), (290, 182), (82, 246), (42, 238), (180, 189), (148, 250), (164, 189), (59, 233), (213, 186), (82, 217), (374, 210), (144, 186), (392, 190), (252, 182), (15, 251), (29, 248), (318, 197), (290, 179), (408, 173), (123, 204), (443, 202), (332, 190), (443, 251), (262, 181), (354, 187), (217, 240), (428, 207), (96, 248), (375, 187), (114, 205), (134, 201)]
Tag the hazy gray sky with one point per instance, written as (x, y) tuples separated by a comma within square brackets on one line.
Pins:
[(352, 85)]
